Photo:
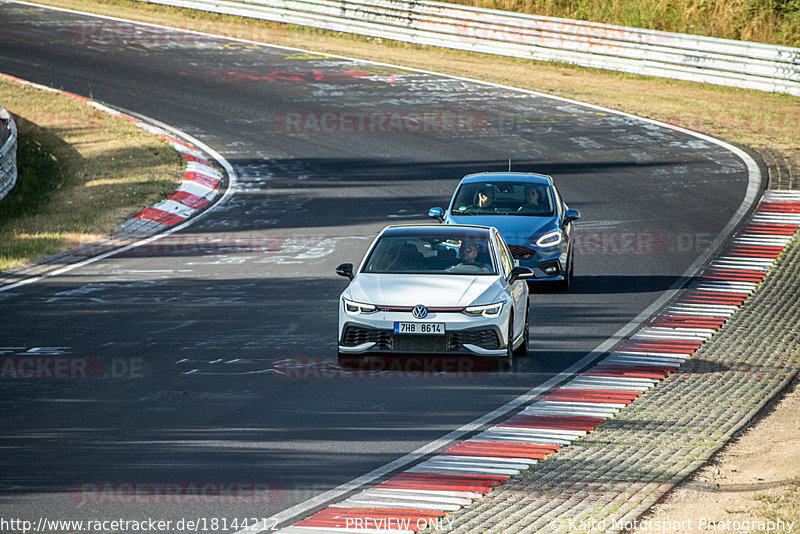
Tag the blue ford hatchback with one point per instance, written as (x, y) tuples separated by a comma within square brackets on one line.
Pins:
[(528, 211)]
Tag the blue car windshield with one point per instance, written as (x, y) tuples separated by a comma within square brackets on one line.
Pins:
[(431, 254), (503, 198)]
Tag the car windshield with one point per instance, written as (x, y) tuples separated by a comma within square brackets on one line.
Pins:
[(431, 254), (503, 198)]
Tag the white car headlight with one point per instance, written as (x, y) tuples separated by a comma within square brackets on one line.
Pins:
[(550, 239), (355, 308), (488, 310)]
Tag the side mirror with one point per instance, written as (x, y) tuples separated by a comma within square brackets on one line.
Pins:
[(436, 213), (520, 273), (571, 215), (346, 270)]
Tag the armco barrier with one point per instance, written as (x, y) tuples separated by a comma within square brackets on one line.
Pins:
[(639, 51), (8, 152)]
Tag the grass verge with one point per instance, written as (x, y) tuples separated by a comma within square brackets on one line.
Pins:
[(766, 21), (81, 173)]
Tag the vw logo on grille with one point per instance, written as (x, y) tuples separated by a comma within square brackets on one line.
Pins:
[(419, 311)]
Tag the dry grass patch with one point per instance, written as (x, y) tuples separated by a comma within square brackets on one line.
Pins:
[(81, 173), (780, 505)]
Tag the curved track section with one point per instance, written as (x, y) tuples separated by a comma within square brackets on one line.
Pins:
[(217, 394)]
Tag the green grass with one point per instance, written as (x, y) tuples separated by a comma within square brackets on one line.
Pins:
[(766, 21), (80, 173), (39, 176)]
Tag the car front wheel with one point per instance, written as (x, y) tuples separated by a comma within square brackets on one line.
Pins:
[(522, 350), (507, 361), (569, 273)]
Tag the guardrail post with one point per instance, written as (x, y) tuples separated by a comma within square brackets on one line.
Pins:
[(8, 152)]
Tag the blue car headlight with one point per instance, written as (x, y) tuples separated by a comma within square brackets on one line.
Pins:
[(355, 308), (550, 239)]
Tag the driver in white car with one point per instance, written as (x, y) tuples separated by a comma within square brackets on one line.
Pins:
[(469, 256)]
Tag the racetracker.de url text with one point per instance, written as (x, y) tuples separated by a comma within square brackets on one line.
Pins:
[(139, 526)]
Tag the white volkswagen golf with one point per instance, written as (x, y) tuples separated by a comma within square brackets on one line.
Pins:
[(432, 289)]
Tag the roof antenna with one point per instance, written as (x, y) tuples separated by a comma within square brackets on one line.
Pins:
[(509, 164)]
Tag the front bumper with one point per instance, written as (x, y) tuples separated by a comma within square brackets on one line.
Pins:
[(481, 338), (539, 260)]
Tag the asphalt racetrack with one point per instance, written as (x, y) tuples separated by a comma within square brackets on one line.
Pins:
[(207, 359)]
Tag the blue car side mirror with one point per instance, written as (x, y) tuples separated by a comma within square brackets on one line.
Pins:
[(436, 213), (571, 215)]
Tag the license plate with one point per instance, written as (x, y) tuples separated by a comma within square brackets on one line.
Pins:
[(419, 328)]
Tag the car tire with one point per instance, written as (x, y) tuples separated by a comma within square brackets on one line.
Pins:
[(349, 361), (507, 362), (522, 350), (569, 274)]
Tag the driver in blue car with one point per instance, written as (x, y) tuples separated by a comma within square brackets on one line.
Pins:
[(484, 197)]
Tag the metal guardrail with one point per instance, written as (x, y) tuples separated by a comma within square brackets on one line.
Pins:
[(8, 152), (638, 51)]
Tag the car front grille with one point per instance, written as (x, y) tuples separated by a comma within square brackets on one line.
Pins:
[(358, 335), (485, 338), (386, 340), (518, 251)]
